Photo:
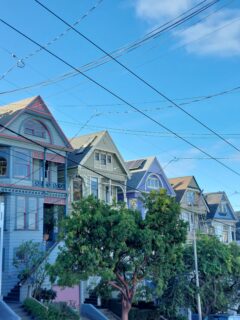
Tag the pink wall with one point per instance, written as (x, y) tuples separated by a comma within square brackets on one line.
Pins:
[(68, 294)]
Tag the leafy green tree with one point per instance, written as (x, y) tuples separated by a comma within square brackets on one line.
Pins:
[(30, 262), (219, 275), (115, 243)]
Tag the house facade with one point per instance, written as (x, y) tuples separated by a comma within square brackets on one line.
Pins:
[(221, 218), (194, 208), (96, 167), (146, 175), (32, 148)]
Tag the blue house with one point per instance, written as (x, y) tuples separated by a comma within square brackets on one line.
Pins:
[(32, 194), (221, 218), (146, 175)]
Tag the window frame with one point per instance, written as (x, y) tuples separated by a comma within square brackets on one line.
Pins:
[(91, 189), (151, 178), (39, 132), (26, 213), (6, 166), (18, 162)]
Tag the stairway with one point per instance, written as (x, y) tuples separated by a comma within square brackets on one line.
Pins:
[(19, 310), (92, 300), (109, 314), (13, 295)]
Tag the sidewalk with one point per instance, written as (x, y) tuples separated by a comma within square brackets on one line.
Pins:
[(6, 313)]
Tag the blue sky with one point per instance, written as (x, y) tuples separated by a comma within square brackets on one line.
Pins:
[(199, 58)]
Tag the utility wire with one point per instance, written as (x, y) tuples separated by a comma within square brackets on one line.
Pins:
[(119, 98), (139, 77), (119, 52)]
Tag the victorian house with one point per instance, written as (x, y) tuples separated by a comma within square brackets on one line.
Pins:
[(32, 148), (221, 218), (194, 209), (96, 167), (146, 175)]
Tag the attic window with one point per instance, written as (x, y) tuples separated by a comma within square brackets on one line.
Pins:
[(223, 208), (153, 182), (35, 128)]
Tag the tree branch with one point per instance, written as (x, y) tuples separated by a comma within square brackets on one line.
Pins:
[(114, 285)]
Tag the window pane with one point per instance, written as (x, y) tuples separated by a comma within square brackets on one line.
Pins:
[(94, 187), (20, 213), (97, 156), (109, 159), (32, 213), (22, 163), (3, 166), (103, 159)]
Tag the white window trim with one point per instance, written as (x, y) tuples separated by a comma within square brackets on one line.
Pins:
[(153, 175)]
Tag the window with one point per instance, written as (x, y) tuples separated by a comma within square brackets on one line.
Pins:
[(97, 156), (32, 214), (107, 194), (223, 208), (77, 189), (22, 163), (3, 166), (26, 213), (94, 187), (103, 159), (190, 197), (35, 128), (153, 183)]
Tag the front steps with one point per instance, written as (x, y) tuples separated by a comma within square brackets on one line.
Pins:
[(19, 310), (13, 295)]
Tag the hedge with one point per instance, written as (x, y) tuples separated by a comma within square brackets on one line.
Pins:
[(54, 311)]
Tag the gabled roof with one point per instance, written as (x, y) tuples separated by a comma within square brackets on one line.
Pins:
[(34, 104), (86, 144), (139, 164), (140, 167), (181, 183), (83, 145), (213, 200)]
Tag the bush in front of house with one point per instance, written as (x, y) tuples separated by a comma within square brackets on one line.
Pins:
[(53, 311), (44, 294), (62, 311), (36, 309)]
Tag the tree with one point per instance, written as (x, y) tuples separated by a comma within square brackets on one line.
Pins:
[(219, 275), (114, 242), (30, 262)]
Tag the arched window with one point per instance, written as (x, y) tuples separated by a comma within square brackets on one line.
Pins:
[(3, 166), (153, 182), (35, 128)]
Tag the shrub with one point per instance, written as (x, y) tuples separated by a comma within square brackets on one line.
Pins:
[(44, 294), (54, 311), (36, 309)]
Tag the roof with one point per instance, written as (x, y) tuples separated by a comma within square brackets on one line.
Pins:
[(35, 104), (180, 183), (82, 145), (135, 179), (139, 164), (9, 111), (213, 200)]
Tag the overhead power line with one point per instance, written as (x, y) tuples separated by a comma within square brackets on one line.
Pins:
[(21, 61), (127, 48), (120, 98), (139, 77)]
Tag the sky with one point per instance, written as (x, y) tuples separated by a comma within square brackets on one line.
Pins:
[(189, 63)]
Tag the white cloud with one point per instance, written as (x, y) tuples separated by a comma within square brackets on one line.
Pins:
[(217, 35), (157, 10)]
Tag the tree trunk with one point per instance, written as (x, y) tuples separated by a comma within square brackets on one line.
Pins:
[(126, 307)]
